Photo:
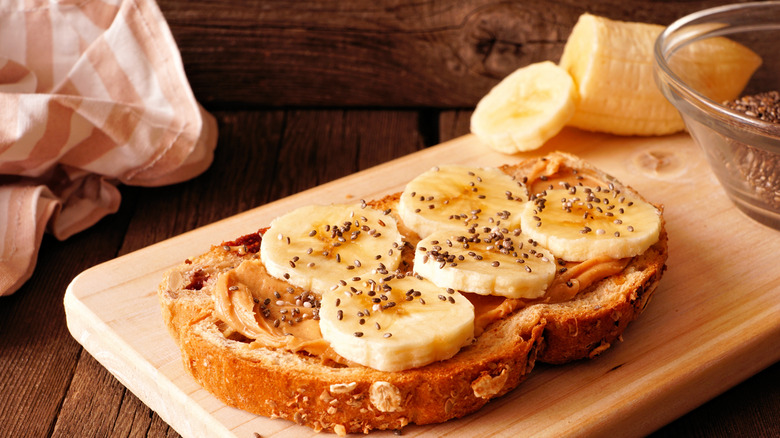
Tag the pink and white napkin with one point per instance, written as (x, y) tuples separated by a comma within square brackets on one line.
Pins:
[(92, 94)]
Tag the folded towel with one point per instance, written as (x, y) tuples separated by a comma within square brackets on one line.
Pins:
[(92, 94)]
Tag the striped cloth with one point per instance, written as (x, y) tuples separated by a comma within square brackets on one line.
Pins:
[(92, 94)]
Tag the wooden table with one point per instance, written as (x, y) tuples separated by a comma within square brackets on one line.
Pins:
[(271, 146)]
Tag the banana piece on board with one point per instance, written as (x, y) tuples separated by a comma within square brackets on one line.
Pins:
[(611, 63), (317, 246), (583, 223), (395, 322), (525, 109)]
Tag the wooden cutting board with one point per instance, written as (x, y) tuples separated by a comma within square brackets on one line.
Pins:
[(712, 323)]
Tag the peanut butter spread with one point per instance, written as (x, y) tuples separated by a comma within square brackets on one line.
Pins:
[(271, 313), (576, 277)]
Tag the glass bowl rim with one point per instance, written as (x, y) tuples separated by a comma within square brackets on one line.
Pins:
[(698, 100)]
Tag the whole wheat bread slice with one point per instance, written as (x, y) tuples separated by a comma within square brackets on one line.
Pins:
[(346, 399)]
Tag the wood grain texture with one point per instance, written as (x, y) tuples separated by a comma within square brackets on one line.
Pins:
[(698, 369), (346, 57), (392, 53), (38, 356), (50, 387), (258, 160)]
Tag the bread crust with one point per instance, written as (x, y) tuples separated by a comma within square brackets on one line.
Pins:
[(348, 399)]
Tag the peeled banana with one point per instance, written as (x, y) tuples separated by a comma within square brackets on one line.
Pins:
[(604, 82), (726, 74), (612, 64)]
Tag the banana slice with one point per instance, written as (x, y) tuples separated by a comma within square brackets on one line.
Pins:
[(583, 223), (526, 108), (612, 64), (396, 322), (457, 197), (493, 262), (315, 247)]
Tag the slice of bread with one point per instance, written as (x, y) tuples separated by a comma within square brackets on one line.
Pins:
[(345, 399)]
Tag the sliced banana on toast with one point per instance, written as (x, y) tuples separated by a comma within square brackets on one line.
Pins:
[(581, 223), (468, 219), (395, 322), (419, 342), (455, 198), (481, 232), (489, 262), (317, 246)]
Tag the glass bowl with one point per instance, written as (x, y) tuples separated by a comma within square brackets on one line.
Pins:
[(743, 151)]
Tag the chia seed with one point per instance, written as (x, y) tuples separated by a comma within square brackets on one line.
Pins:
[(760, 168)]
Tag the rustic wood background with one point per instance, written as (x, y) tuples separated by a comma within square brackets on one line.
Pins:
[(442, 54), (304, 92)]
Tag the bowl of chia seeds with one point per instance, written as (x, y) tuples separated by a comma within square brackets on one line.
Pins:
[(739, 131)]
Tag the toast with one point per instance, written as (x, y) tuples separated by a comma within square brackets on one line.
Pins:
[(345, 397)]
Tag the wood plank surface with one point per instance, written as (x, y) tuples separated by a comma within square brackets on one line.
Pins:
[(390, 53), (694, 342), (49, 386), (249, 62)]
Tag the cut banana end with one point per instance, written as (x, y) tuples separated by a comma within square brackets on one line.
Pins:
[(587, 223), (456, 198), (612, 64), (488, 263), (395, 323), (525, 109), (315, 247)]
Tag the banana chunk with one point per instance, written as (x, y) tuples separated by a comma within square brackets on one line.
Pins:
[(395, 322), (497, 262), (456, 198), (526, 108), (583, 223), (317, 246), (611, 63)]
